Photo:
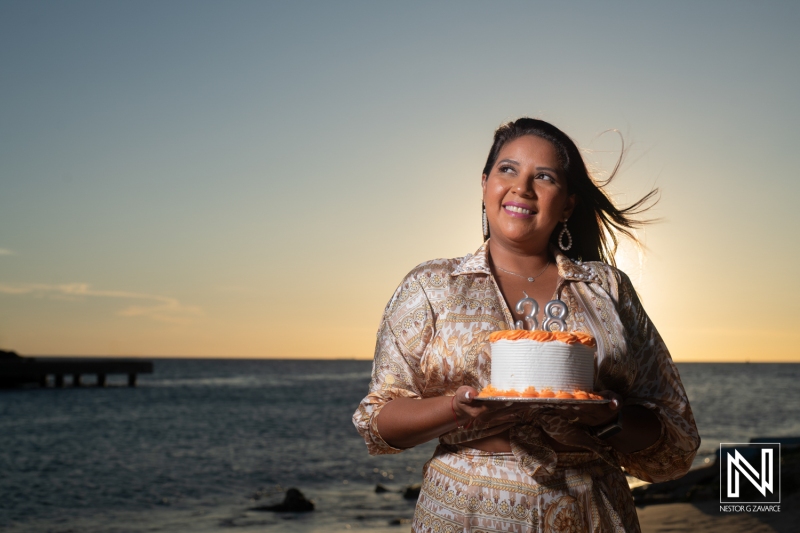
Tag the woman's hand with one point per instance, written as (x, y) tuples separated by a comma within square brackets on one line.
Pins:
[(469, 410), (641, 426), (407, 422), (465, 409)]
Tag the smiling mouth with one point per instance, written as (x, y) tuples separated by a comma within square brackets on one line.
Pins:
[(517, 209)]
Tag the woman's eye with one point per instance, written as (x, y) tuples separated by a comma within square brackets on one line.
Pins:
[(506, 169), (546, 177)]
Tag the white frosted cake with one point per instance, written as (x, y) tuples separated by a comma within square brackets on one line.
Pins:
[(546, 364)]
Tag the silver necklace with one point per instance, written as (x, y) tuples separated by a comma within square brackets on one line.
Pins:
[(529, 278)]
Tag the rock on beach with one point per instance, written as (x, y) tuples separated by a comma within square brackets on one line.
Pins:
[(293, 502)]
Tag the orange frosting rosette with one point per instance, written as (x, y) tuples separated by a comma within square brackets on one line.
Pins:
[(493, 392), (489, 391), (567, 337)]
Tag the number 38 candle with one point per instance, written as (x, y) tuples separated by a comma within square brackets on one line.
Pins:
[(555, 315)]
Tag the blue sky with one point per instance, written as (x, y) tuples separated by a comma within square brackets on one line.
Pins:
[(221, 178)]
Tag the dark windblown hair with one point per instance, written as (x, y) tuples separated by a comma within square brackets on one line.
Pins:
[(596, 222)]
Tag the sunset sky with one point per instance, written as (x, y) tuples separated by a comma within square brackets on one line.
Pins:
[(253, 179)]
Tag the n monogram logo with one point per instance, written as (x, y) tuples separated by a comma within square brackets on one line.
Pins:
[(750, 473)]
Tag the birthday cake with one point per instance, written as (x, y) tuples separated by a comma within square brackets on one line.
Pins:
[(541, 364)]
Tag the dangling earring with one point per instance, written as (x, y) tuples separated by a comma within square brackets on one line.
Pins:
[(566, 232), (485, 222)]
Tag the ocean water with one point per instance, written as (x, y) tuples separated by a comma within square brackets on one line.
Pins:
[(200, 442)]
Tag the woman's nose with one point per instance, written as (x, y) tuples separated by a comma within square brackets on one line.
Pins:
[(525, 187)]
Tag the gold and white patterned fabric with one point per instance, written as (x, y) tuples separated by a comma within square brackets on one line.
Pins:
[(468, 490), (433, 338)]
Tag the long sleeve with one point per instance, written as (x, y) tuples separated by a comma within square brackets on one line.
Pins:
[(658, 387), (406, 328)]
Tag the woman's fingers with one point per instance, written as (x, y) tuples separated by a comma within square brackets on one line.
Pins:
[(464, 402), (466, 394), (616, 399)]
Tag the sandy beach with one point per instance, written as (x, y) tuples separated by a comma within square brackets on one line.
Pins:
[(706, 517)]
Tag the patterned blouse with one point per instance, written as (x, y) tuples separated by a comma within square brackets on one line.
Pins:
[(433, 338)]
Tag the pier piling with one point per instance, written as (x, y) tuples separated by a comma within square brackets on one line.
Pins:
[(18, 371)]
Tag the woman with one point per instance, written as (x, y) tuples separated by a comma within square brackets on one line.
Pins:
[(518, 467)]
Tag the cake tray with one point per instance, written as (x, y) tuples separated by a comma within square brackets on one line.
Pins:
[(551, 401)]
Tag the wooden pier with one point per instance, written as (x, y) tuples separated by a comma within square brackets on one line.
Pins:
[(17, 371)]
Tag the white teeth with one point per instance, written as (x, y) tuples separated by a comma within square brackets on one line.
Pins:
[(515, 209)]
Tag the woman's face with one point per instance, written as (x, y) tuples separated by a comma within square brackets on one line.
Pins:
[(526, 194)]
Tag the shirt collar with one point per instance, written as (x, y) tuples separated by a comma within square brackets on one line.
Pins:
[(569, 269), (477, 263)]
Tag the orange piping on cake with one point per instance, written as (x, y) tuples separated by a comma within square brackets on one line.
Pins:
[(489, 391), (493, 392), (568, 337), (530, 392)]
